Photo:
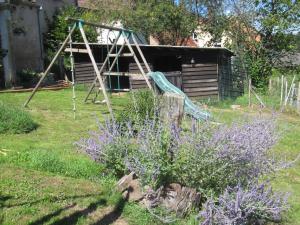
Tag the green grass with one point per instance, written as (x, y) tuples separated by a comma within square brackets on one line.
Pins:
[(45, 180)]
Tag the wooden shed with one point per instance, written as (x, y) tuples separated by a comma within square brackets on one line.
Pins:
[(199, 72)]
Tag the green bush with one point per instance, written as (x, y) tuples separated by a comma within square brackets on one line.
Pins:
[(143, 105), (14, 120)]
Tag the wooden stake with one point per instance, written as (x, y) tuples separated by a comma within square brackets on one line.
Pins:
[(249, 92), (281, 91), (292, 94), (288, 95), (286, 89), (257, 97), (270, 85), (298, 98)]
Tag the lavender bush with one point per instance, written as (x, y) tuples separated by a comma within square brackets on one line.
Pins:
[(217, 161), (207, 158), (109, 145), (255, 204), (213, 159)]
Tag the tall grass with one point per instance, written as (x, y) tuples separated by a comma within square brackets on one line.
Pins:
[(14, 120)]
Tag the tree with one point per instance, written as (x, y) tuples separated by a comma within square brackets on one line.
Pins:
[(59, 28), (168, 22), (261, 33), (210, 15)]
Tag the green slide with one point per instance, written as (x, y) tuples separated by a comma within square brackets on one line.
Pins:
[(189, 107)]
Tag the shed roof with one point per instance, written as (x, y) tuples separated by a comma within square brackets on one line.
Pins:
[(170, 47)]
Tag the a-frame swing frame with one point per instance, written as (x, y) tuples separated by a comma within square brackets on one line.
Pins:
[(78, 24)]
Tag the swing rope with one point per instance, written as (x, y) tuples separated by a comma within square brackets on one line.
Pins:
[(73, 77)]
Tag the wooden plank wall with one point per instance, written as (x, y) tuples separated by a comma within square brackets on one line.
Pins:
[(200, 80), (84, 72), (138, 82)]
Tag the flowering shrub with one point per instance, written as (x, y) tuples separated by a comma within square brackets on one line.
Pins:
[(217, 161), (256, 204), (109, 146), (227, 155), (208, 159)]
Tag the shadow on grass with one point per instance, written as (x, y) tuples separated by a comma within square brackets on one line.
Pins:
[(111, 217), (4, 198), (48, 217), (54, 199), (75, 216)]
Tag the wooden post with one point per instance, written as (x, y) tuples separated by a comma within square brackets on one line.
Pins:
[(96, 70), (172, 108), (281, 91), (141, 53), (257, 97), (292, 94), (249, 92), (270, 85), (298, 98), (137, 62), (288, 94), (286, 90), (50, 65)]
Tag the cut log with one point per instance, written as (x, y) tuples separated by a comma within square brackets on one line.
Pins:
[(172, 108)]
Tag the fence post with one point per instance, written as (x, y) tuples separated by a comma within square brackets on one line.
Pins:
[(281, 91), (298, 98), (249, 91), (286, 91), (292, 94)]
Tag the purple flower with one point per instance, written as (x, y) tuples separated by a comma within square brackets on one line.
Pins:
[(255, 204)]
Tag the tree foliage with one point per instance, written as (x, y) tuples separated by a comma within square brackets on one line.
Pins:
[(59, 28), (262, 33), (164, 20), (259, 32)]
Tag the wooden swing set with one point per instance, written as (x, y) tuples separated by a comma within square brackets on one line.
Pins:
[(125, 33)]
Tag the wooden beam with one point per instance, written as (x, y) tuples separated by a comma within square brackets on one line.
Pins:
[(102, 67), (50, 65), (76, 50), (97, 25), (98, 73)]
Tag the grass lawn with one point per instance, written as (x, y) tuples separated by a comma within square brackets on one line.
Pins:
[(44, 180)]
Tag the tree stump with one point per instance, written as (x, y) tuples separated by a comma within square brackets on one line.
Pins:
[(172, 108)]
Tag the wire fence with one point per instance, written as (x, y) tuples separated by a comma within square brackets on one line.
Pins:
[(287, 89)]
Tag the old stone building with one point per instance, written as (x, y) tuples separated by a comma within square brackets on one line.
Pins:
[(22, 24)]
